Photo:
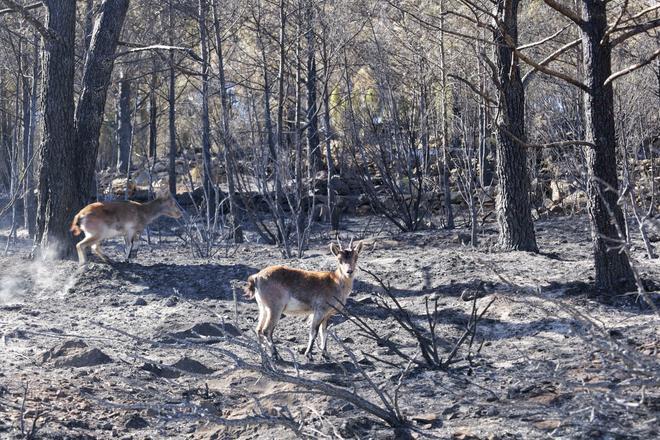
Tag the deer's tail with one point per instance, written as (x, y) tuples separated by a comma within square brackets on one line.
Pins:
[(75, 229), (250, 287)]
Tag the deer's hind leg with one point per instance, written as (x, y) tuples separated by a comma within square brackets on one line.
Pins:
[(82, 246), (273, 314), (96, 248)]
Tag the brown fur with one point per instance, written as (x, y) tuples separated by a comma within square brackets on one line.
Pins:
[(103, 220), (279, 289)]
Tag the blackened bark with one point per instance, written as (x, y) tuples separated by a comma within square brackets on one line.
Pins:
[(124, 126), (97, 72), (228, 151), (153, 115), (513, 205), (89, 22), (314, 155), (29, 122), (209, 187), (333, 210), (613, 271), (58, 197), (171, 102)]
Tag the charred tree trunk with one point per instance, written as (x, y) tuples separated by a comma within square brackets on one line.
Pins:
[(124, 126), (613, 271), (58, 196), (171, 102), (446, 186), (513, 207), (334, 212), (315, 158), (29, 121), (228, 151), (97, 71), (153, 115), (209, 186), (89, 22)]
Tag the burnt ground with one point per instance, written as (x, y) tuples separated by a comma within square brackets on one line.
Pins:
[(144, 350)]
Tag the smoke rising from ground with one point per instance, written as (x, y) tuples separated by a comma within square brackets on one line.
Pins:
[(38, 277)]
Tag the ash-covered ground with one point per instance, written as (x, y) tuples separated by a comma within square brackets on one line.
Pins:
[(163, 347)]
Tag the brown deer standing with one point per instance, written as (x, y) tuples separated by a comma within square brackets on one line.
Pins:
[(103, 220), (279, 289)]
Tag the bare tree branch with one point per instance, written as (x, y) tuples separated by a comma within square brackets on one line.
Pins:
[(634, 30), (632, 68), (24, 11), (565, 11), (547, 60), (544, 40)]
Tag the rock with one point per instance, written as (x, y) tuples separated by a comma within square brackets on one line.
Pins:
[(426, 418), (160, 370), (548, 425), (172, 301), (140, 302), (85, 359), (192, 366), (364, 300), (208, 330), (63, 349), (135, 422)]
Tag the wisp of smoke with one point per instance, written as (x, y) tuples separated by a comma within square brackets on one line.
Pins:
[(37, 277)]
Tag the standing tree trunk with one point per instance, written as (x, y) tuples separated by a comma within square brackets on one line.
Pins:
[(97, 72), (57, 186), (445, 127), (209, 187), (124, 126), (153, 115), (315, 158), (89, 22), (171, 102), (333, 210), (227, 155), (29, 122), (613, 271), (513, 207)]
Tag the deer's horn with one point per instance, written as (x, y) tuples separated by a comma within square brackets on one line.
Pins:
[(339, 243), (350, 245)]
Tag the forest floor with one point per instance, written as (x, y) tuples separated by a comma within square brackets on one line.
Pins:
[(144, 350)]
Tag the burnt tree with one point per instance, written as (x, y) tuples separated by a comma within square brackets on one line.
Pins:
[(124, 126), (57, 197), (513, 206), (97, 71)]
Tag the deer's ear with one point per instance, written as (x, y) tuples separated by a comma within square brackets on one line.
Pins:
[(358, 248), (334, 248)]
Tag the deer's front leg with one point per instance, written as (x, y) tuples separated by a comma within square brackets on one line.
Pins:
[(313, 332)]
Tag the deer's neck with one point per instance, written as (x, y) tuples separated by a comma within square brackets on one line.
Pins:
[(150, 210), (345, 283)]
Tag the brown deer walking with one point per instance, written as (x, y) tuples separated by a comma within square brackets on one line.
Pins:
[(279, 289), (103, 220)]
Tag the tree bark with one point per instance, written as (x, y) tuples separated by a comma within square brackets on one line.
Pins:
[(209, 186), (124, 126), (97, 72), (153, 115), (445, 128), (57, 198), (227, 154), (513, 206), (314, 155), (613, 271), (29, 122), (171, 102)]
